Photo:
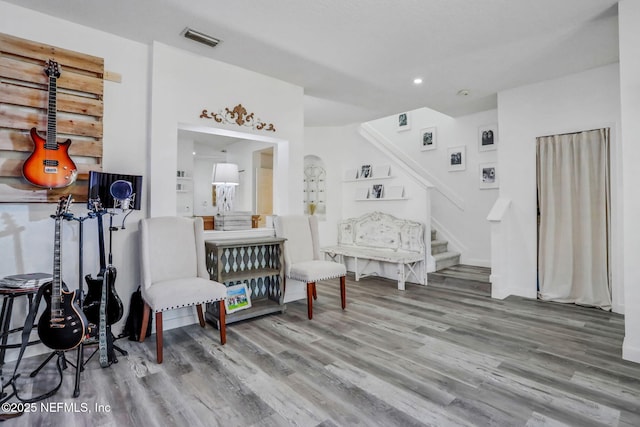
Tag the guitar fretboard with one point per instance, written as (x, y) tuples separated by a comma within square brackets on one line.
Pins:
[(56, 288), (51, 143)]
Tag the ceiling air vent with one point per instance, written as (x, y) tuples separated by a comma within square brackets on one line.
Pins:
[(200, 37)]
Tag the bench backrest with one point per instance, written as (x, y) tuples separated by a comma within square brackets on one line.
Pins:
[(382, 231)]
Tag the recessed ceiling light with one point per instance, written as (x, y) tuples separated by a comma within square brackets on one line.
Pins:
[(417, 81), (200, 37)]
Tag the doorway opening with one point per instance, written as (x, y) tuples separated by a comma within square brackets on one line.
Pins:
[(573, 190)]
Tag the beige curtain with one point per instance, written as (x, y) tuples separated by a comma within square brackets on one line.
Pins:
[(573, 196)]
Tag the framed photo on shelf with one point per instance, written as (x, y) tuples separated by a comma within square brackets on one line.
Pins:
[(488, 175), (365, 171), (457, 158), (404, 122), (428, 139), (362, 193), (238, 298), (381, 171), (394, 192), (377, 191), (488, 137), (351, 174)]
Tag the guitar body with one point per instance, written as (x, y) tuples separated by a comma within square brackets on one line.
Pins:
[(49, 167), (70, 331), (115, 309)]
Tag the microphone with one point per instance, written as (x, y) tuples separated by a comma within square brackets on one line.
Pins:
[(122, 192)]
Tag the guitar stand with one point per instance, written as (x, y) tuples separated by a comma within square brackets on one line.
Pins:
[(106, 339)]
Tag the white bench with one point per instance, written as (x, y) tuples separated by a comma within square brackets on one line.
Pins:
[(381, 237)]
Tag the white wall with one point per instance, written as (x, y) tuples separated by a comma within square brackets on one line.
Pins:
[(26, 236), (629, 16), (463, 223), (459, 206), (583, 101), (184, 84)]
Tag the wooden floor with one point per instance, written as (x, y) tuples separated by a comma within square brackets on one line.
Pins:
[(442, 355)]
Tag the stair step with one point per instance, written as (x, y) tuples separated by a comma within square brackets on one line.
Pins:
[(467, 272), (433, 234), (439, 246), (446, 259), (463, 277)]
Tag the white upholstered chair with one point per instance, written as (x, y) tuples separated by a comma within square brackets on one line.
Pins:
[(302, 256), (174, 272)]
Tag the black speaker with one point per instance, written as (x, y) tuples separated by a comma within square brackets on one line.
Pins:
[(110, 186)]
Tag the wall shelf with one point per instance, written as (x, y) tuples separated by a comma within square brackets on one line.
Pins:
[(381, 199), (368, 179)]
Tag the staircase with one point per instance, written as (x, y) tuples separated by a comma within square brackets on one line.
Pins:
[(440, 251)]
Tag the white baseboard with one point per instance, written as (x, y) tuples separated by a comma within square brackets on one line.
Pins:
[(630, 353)]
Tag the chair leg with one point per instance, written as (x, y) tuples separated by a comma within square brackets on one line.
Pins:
[(343, 292), (310, 287), (315, 293), (146, 311), (223, 322), (159, 336), (200, 315)]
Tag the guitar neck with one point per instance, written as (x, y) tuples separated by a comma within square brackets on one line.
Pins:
[(103, 262), (56, 288), (51, 143)]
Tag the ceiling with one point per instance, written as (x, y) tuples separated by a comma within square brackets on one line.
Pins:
[(357, 59)]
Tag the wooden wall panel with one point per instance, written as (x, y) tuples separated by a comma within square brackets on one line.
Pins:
[(23, 105)]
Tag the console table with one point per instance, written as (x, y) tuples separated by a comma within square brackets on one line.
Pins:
[(256, 262)]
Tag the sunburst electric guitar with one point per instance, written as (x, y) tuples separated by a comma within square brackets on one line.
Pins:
[(62, 325), (49, 165)]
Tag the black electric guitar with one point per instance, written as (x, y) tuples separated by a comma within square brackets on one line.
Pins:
[(62, 325), (92, 301)]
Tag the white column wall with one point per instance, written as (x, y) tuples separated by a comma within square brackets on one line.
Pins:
[(629, 16), (583, 101)]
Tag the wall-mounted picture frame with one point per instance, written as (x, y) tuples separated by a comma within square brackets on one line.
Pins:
[(488, 175), (377, 191), (457, 158), (428, 139), (488, 137), (403, 122), (238, 298)]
